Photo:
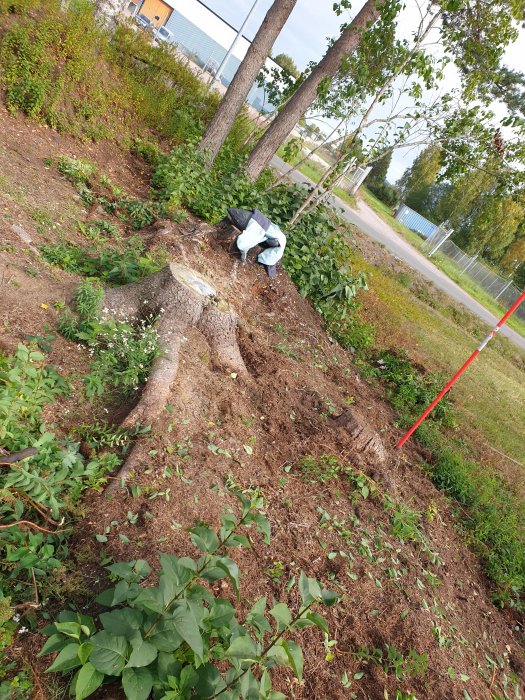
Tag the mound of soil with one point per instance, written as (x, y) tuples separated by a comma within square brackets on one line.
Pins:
[(419, 592)]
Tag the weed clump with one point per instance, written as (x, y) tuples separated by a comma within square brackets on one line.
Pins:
[(41, 489), (494, 517)]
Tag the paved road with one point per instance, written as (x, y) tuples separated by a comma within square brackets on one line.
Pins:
[(371, 224)]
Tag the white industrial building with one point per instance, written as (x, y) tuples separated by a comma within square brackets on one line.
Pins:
[(202, 34)]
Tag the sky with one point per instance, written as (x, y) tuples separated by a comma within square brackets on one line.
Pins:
[(308, 29)]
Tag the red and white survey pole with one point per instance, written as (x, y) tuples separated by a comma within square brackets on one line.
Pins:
[(460, 371)]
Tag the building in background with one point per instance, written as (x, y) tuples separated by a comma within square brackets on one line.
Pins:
[(203, 36)]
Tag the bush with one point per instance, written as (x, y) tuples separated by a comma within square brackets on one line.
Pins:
[(410, 390), (113, 265), (317, 254), (384, 192), (122, 353), (63, 67), (177, 639), (42, 488)]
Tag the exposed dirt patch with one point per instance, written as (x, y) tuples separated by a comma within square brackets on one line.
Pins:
[(423, 596)]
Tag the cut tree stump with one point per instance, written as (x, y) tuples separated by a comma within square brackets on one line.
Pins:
[(178, 298)]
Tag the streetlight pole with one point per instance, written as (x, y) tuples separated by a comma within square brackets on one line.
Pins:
[(225, 60)]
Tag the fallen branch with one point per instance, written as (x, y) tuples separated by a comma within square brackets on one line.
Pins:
[(29, 524), (18, 456)]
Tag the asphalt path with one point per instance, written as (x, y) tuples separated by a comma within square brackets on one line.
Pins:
[(378, 230)]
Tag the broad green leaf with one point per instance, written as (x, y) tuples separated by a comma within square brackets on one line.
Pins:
[(186, 625), (222, 613), (319, 621), (123, 570), (277, 655), (238, 540), (109, 653), (122, 622), (242, 648), (54, 643), (84, 651), (165, 637), (263, 526), (70, 629), (188, 678), (180, 569), (258, 607), (295, 656), (209, 681), (142, 568), (137, 683), (256, 619), (88, 680), (282, 615), (167, 666), (266, 682), (275, 695), (121, 592), (329, 597), (67, 616), (232, 571), (250, 686), (309, 589), (150, 599), (67, 660), (106, 597), (204, 539), (143, 654)]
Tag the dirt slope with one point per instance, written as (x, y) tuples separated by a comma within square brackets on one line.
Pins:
[(303, 397)]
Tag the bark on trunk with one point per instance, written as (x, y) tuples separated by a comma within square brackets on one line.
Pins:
[(305, 95), (241, 84)]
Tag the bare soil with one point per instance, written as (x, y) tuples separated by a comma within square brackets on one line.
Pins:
[(299, 385)]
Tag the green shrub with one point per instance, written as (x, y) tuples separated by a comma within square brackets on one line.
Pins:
[(178, 640), (42, 488), (63, 67), (113, 265), (320, 469), (410, 390), (384, 192), (317, 253), (182, 179)]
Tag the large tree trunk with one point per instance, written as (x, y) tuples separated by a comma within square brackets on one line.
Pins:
[(241, 84), (305, 95)]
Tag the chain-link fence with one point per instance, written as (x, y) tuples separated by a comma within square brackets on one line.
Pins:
[(499, 288)]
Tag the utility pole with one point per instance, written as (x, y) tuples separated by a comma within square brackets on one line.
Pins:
[(225, 60)]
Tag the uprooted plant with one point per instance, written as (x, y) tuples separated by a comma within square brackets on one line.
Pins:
[(167, 639)]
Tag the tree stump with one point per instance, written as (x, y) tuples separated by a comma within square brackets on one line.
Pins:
[(178, 298)]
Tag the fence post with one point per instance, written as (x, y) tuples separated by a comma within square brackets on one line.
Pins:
[(446, 237), (504, 289), (471, 263)]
